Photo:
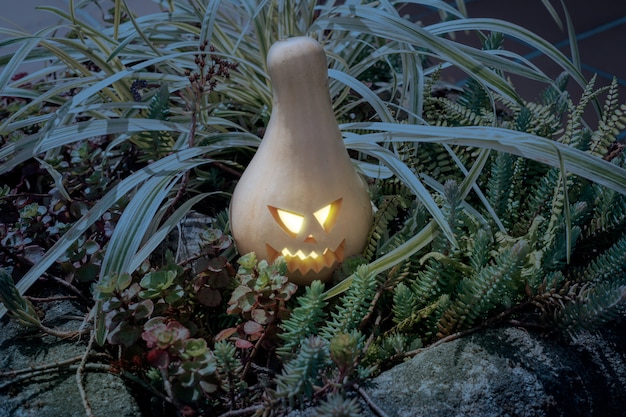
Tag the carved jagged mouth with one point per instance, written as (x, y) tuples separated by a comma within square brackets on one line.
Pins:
[(304, 262)]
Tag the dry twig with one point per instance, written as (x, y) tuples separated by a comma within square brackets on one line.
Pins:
[(79, 376)]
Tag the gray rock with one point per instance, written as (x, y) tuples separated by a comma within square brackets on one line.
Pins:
[(508, 372), (55, 394)]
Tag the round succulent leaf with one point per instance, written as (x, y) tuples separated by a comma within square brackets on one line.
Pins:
[(176, 294), (219, 279), (113, 317), (208, 387), (242, 299), (106, 286), (217, 264), (87, 273), (149, 294), (131, 292), (209, 297), (112, 304), (243, 344), (248, 261), (262, 317), (209, 364), (78, 209), (158, 280), (91, 247), (125, 334), (199, 281), (225, 334), (252, 328), (195, 347), (123, 281), (263, 281), (143, 309), (211, 235)]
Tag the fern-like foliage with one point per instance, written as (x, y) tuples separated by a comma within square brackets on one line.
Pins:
[(440, 272), (609, 211), (593, 306), (387, 212), (561, 244), (300, 374), (612, 121), (19, 307), (610, 265), (404, 303), (228, 366), (354, 305), (156, 144), (335, 405), (516, 265), (491, 287), (556, 95), (304, 319), (498, 184)]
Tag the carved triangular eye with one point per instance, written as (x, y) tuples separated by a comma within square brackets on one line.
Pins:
[(327, 215), (289, 221)]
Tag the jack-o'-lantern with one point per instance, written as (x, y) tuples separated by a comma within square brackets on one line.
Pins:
[(300, 197)]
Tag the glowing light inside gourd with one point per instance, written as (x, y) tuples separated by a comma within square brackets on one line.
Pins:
[(292, 222), (300, 254), (322, 214)]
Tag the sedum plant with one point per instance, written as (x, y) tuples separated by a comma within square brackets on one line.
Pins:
[(488, 208)]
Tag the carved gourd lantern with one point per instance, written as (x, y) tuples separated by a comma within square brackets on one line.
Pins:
[(300, 196)]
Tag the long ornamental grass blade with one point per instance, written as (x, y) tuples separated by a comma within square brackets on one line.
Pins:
[(472, 183), (514, 142), (132, 225), (516, 31), (366, 19), (156, 238), (27, 44), (553, 13), (87, 93), (571, 35), (377, 104), (208, 22), (566, 207), (442, 6), (129, 233)]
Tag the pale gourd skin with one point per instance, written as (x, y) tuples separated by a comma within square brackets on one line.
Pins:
[(301, 166)]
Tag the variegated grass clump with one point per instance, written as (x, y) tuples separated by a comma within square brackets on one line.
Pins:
[(131, 126)]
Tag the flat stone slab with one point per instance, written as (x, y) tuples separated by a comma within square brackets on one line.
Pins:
[(508, 372), (55, 394)]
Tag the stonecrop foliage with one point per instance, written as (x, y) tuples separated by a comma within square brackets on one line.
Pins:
[(489, 209)]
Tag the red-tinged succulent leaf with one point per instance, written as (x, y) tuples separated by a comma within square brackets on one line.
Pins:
[(262, 316), (162, 335), (242, 299), (219, 279), (243, 344), (225, 334), (159, 358), (252, 328), (217, 264), (209, 297)]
